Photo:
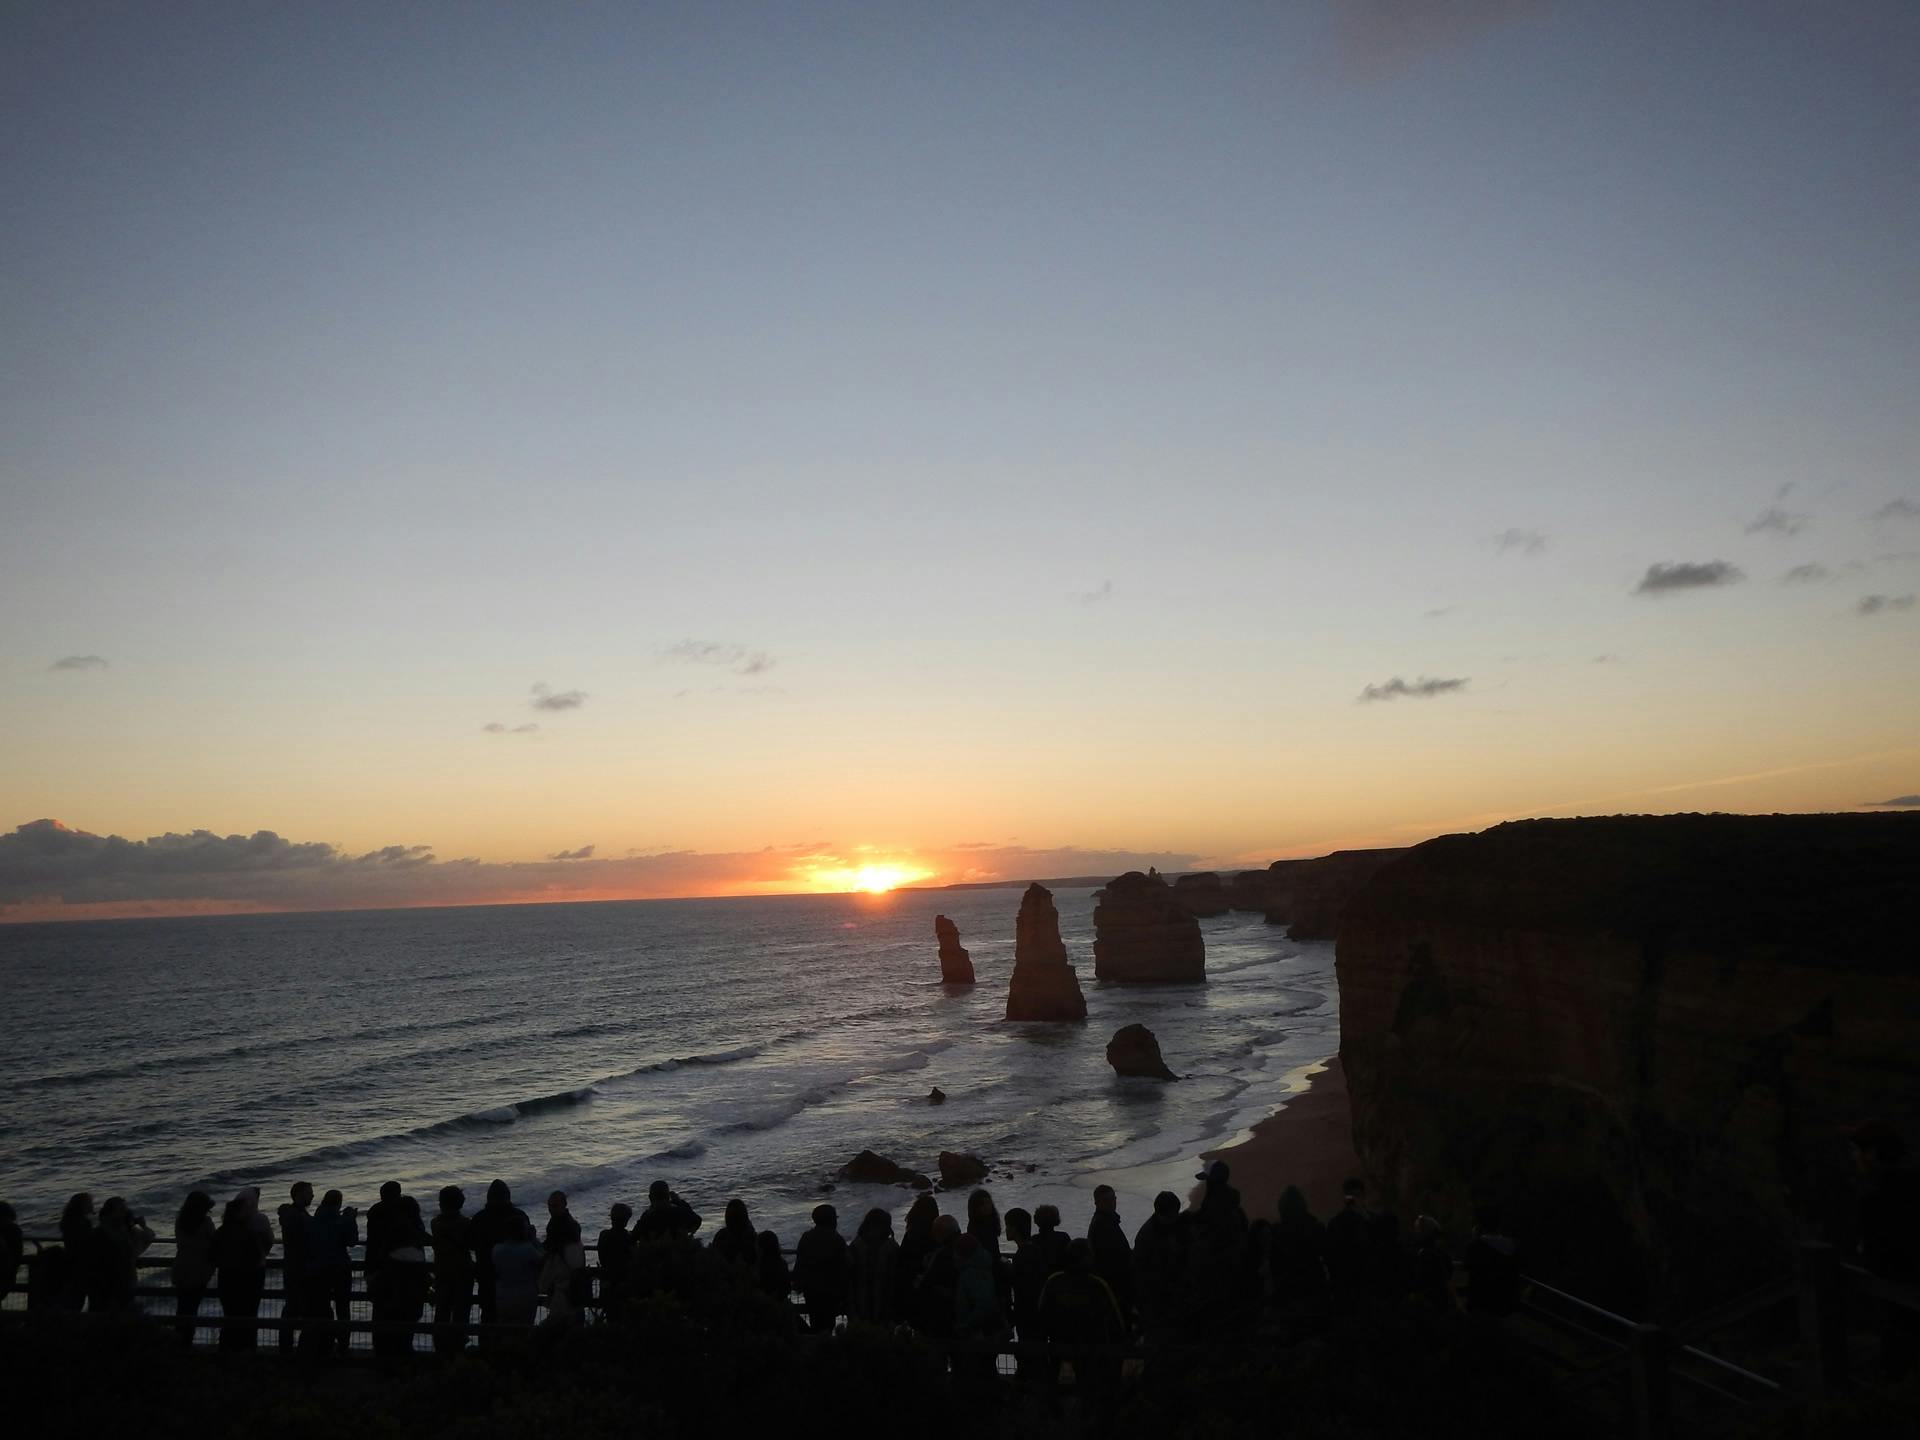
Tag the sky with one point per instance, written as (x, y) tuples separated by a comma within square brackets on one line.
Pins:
[(452, 453)]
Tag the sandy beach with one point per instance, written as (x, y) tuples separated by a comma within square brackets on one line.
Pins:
[(1308, 1142)]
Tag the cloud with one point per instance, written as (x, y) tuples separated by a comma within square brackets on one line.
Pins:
[(1898, 802), (737, 658), (49, 871), (79, 662), (1775, 521), (1899, 509), (1687, 575), (494, 727), (1527, 542), (1880, 604), (1436, 613), (1420, 689), (546, 698), (1812, 573), (1378, 37), (1102, 592), (1606, 660)]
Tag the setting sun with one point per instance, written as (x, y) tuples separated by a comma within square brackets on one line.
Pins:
[(876, 879)]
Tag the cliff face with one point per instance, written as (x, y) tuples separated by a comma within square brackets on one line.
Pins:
[(1309, 896), (1203, 894), (1044, 986), (1143, 935), (1639, 1035), (956, 965)]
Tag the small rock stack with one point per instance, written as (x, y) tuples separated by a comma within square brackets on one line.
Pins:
[(1044, 985), (956, 965)]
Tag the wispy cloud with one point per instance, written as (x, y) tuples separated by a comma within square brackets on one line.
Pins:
[(1606, 660), (1775, 521), (1812, 573), (585, 852), (547, 698), (494, 727), (79, 662), (1880, 604), (1898, 802), (1524, 542), (1687, 575), (1437, 612), (1897, 509), (737, 658), (1423, 688), (1100, 593)]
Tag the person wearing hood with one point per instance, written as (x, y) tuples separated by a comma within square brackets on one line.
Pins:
[(498, 1222), (332, 1232), (241, 1259)]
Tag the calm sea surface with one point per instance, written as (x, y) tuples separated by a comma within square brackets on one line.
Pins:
[(732, 1047)]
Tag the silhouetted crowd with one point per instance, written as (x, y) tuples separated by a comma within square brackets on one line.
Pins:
[(1190, 1271), (1197, 1271)]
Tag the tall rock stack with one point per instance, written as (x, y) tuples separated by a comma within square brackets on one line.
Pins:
[(956, 966), (1143, 935), (1044, 985)]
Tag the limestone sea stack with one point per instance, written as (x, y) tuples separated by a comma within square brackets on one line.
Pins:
[(1044, 985), (1135, 1050), (956, 966), (1144, 936), (1203, 894), (1642, 1036)]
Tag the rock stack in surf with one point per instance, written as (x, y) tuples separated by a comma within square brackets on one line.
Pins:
[(956, 966), (1044, 985), (1144, 935)]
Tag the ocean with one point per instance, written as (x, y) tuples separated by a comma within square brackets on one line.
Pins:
[(734, 1047)]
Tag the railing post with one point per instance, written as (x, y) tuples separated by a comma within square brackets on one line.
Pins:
[(1648, 1351), (1823, 1335)]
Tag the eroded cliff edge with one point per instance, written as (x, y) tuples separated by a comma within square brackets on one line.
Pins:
[(1640, 1035)]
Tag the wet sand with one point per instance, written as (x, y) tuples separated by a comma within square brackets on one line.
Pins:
[(1307, 1142)]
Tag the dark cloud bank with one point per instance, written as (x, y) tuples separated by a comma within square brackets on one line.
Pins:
[(49, 871)]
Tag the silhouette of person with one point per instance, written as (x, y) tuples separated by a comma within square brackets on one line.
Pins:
[(498, 1222), (1112, 1255), (1430, 1267), (938, 1288), (569, 1257), (1297, 1261), (119, 1242), (735, 1240), (332, 1232), (774, 1278), (242, 1264), (296, 1303), (72, 1271), (1162, 1268), (916, 1248), (516, 1264), (1889, 1245), (1047, 1235), (452, 1269), (820, 1270), (1023, 1285), (1349, 1243), (13, 1250), (1493, 1266), (666, 1218), (615, 1255), (873, 1263), (408, 1280), (1076, 1309), (977, 1315)]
